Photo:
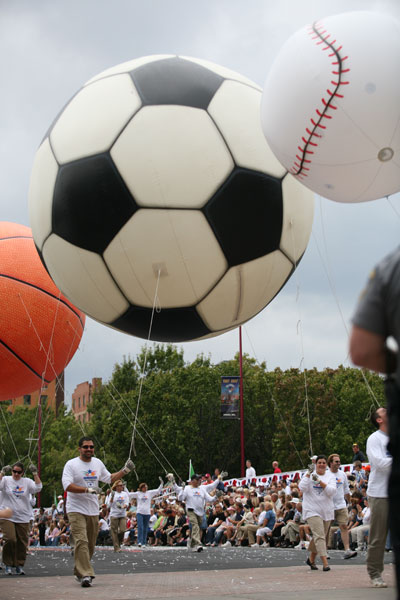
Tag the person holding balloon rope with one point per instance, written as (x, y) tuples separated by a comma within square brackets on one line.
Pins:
[(80, 479), (16, 492), (319, 488), (195, 496)]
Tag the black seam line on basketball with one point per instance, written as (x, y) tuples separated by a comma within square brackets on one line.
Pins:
[(16, 237), (36, 287), (330, 100), (23, 362)]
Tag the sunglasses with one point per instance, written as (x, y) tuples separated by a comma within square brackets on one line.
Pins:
[(18, 472), (87, 447)]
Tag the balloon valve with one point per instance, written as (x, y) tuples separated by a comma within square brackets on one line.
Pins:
[(160, 269)]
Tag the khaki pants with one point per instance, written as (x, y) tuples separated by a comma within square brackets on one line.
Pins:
[(118, 528), (195, 522), (378, 529), (249, 532), (319, 530), (16, 538), (84, 528), (291, 531)]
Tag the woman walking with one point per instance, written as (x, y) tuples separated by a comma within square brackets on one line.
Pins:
[(319, 488), (144, 497), (16, 491)]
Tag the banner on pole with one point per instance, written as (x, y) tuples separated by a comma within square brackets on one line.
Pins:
[(230, 397)]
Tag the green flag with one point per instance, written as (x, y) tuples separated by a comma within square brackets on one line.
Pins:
[(191, 470)]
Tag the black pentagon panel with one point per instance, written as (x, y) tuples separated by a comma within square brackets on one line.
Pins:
[(246, 215), (169, 325), (176, 81), (91, 202)]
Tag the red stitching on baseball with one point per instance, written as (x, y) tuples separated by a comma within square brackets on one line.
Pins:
[(321, 36)]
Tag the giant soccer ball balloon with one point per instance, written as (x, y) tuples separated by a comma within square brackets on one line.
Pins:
[(155, 189), (331, 106)]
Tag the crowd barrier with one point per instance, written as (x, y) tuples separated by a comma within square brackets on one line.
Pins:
[(267, 479)]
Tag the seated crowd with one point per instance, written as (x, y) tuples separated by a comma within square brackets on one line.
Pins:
[(250, 515)]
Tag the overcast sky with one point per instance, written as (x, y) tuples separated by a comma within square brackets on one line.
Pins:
[(49, 49)]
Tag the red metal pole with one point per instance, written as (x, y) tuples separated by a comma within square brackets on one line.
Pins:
[(39, 443), (241, 404)]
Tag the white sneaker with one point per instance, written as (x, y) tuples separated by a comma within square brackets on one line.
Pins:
[(265, 544), (378, 582), (300, 546), (254, 545), (227, 545)]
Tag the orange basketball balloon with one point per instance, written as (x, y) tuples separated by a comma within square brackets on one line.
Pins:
[(40, 329)]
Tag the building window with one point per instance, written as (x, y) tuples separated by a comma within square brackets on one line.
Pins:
[(79, 402), (73, 403), (27, 400), (83, 400)]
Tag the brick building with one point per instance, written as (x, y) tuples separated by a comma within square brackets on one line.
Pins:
[(52, 396), (82, 397)]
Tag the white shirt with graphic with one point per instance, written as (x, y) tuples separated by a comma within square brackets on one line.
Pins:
[(118, 503), (17, 495), (144, 499), (342, 488), (86, 474), (318, 501)]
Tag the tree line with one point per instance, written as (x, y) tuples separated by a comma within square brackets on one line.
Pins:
[(166, 411)]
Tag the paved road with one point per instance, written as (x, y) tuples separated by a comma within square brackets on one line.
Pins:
[(215, 573)]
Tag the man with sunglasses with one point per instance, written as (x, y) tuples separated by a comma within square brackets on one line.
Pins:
[(16, 492), (81, 478)]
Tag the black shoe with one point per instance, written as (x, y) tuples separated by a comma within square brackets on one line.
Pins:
[(312, 566), (86, 581), (326, 569)]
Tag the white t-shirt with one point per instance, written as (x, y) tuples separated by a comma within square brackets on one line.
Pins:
[(121, 498), (103, 525), (366, 516), (318, 501), (194, 498), (143, 499), (17, 495), (250, 474), (86, 474), (342, 488), (381, 463)]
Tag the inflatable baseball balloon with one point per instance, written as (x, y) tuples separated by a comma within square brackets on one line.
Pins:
[(331, 106), (40, 329), (155, 187)]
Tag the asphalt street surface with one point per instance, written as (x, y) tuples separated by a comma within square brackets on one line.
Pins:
[(47, 562)]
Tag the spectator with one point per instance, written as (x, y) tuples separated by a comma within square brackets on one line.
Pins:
[(275, 466), (357, 454), (42, 526), (266, 526), (250, 473)]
